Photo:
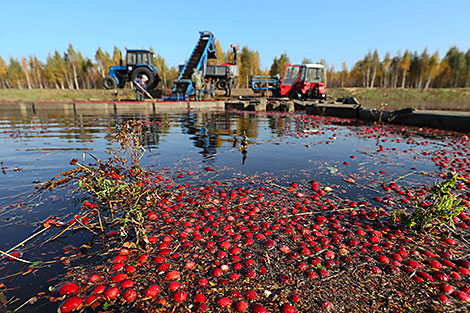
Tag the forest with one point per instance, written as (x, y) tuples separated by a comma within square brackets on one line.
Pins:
[(411, 69)]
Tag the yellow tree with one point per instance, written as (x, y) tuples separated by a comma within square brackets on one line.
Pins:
[(219, 53), (432, 69), (26, 70), (386, 64), (405, 66), (36, 68), (103, 62), (163, 70), (117, 56), (344, 74), (3, 73)]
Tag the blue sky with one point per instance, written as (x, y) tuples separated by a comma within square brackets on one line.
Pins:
[(334, 30)]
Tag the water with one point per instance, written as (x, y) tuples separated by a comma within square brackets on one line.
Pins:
[(282, 149)]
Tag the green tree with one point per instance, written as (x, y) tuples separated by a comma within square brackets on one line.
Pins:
[(467, 76), (278, 65), (103, 62), (249, 65), (15, 73), (55, 70), (457, 63), (307, 61)]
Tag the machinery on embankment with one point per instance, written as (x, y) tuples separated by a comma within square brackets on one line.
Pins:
[(299, 82), (222, 76), (140, 62)]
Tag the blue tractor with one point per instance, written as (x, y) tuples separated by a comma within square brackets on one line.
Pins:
[(138, 63)]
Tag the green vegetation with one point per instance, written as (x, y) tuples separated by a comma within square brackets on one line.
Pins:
[(63, 94), (438, 209)]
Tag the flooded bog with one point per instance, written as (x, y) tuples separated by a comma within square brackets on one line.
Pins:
[(292, 181)]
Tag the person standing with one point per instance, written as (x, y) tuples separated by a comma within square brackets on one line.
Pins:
[(140, 87), (196, 79), (210, 88), (229, 84)]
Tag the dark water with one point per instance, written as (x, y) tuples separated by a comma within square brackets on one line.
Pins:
[(283, 149)]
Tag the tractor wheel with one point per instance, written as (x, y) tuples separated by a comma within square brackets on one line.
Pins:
[(295, 95), (155, 82), (109, 82), (140, 71), (221, 84)]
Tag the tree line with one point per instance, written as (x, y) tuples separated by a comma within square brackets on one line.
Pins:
[(72, 70)]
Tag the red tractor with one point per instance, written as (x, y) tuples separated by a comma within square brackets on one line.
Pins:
[(299, 82)]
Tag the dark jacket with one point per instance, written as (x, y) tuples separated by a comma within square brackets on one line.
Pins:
[(139, 85)]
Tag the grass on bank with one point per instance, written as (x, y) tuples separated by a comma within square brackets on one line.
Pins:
[(385, 98)]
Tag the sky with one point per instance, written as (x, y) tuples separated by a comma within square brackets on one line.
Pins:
[(337, 31)]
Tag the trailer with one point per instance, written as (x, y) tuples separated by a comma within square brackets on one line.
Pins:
[(299, 82)]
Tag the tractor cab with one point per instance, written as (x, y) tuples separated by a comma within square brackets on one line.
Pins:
[(303, 82), (136, 57)]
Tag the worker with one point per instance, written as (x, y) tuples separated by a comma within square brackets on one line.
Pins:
[(229, 84), (196, 79), (140, 87), (210, 88)]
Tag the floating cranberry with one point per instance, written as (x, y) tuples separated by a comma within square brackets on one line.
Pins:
[(444, 300), (127, 284), (71, 304), (462, 296), (112, 293), (119, 277), (251, 294), (90, 299), (383, 259), (199, 298), (99, 289), (130, 295), (180, 296), (241, 306), (152, 291), (174, 285), (203, 282), (224, 302), (447, 288), (68, 289), (172, 275), (93, 278)]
